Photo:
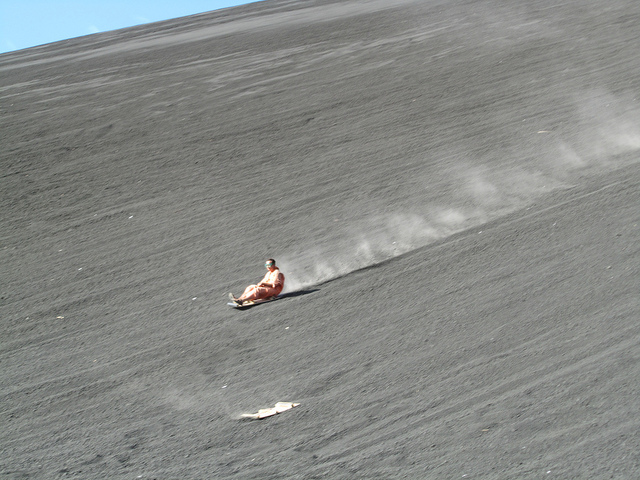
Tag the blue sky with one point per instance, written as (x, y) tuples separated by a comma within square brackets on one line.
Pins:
[(27, 23)]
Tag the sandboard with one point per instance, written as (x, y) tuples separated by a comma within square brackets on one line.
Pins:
[(254, 303), (268, 412)]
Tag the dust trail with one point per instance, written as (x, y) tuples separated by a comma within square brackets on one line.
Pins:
[(480, 195), (387, 236), (611, 123), (606, 127)]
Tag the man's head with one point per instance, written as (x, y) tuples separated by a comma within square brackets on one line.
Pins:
[(270, 264)]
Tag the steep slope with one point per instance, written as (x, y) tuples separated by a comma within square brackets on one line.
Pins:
[(451, 189)]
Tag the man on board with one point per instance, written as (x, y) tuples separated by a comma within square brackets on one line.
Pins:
[(270, 286)]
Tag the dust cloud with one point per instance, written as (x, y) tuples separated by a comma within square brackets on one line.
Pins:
[(606, 128)]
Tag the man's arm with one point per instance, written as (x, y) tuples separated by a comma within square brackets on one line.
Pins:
[(271, 280), (263, 282)]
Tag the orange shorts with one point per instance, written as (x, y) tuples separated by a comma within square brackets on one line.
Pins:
[(254, 292)]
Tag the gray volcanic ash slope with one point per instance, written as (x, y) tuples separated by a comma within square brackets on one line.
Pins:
[(451, 188)]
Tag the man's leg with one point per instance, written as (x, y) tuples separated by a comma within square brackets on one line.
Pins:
[(253, 293), (248, 293)]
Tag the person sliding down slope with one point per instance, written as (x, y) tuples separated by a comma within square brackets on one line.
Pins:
[(270, 286)]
